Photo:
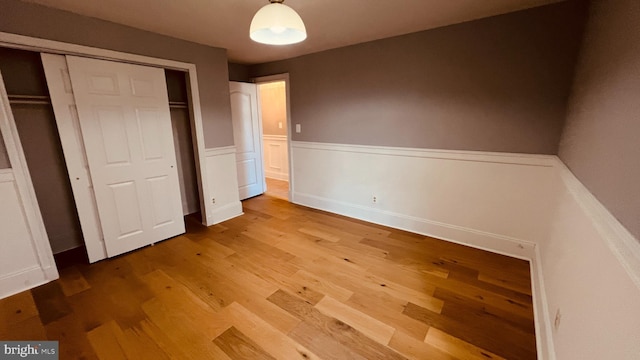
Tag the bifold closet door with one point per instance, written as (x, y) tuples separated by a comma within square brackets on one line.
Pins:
[(123, 113)]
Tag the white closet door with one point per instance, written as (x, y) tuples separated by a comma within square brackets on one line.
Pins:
[(64, 108), (247, 135), (123, 111)]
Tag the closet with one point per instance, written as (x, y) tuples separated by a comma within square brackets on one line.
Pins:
[(31, 107), (53, 177)]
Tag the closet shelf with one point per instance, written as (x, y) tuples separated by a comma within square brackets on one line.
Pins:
[(45, 100)]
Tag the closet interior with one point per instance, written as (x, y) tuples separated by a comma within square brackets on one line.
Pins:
[(24, 79)]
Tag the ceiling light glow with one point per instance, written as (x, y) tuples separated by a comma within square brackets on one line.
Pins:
[(277, 24)]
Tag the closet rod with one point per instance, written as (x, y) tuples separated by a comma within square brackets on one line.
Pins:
[(178, 104), (45, 100), (29, 99)]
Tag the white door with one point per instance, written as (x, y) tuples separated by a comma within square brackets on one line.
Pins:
[(64, 107), (123, 111), (247, 134)]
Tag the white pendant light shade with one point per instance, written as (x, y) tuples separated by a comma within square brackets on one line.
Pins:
[(277, 24)]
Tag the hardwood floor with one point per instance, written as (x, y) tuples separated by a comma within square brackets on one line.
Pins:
[(285, 282), (277, 188)]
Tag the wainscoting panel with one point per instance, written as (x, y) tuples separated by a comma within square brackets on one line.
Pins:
[(276, 160), (591, 269), (224, 202), (20, 268), (494, 199), (520, 205)]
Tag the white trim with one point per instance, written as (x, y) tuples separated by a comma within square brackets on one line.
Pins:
[(224, 150), (496, 243), (57, 47), (620, 241), (275, 137), (276, 176), (476, 156), (543, 324), (287, 85)]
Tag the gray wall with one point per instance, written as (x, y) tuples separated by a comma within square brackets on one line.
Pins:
[(38, 21), (601, 141), (41, 144), (239, 72), (185, 160), (22, 74), (496, 84)]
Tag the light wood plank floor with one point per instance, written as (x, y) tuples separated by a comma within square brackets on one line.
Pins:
[(277, 188), (285, 282)]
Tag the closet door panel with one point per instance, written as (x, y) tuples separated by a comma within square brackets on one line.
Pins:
[(68, 124), (124, 118)]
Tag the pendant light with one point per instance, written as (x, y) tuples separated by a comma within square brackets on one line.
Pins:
[(277, 24)]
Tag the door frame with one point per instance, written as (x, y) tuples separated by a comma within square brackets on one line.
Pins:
[(270, 79), (197, 132)]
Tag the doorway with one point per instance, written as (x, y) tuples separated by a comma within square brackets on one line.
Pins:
[(275, 136)]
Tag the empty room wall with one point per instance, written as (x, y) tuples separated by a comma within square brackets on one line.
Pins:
[(496, 84), (38, 21), (601, 141)]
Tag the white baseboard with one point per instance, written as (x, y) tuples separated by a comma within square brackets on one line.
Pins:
[(276, 175), (496, 243), (542, 316)]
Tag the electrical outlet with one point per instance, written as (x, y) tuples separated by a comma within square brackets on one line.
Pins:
[(556, 322), (374, 199), (213, 200)]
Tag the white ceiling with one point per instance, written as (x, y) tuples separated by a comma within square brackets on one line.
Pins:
[(330, 23)]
